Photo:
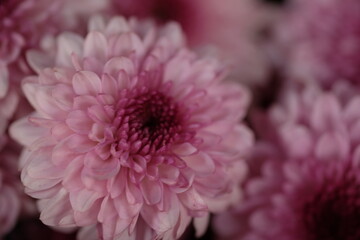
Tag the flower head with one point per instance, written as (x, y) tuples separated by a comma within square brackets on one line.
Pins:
[(132, 132), (295, 200), (324, 38), (306, 180)]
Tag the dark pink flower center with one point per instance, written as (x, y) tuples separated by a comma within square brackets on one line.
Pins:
[(334, 213), (150, 120)]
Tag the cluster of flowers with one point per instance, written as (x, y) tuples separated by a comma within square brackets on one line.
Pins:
[(159, 119)]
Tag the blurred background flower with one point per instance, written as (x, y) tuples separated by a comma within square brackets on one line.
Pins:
[(321, 40), (230, 29)]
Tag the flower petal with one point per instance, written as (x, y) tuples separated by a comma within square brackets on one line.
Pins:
[(152, 191), (95, 45), (86, 83), (200, 162)]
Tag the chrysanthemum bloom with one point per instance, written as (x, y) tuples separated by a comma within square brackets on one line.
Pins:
[(323, 39), (294, 200), (232, 26), (133, 133), (308, 173)]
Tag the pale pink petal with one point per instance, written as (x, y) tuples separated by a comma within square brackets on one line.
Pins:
[(194, 202), (95, 45), (86, 83), (26, 133), (161, 221), (56, 212), (326, 113), (83, 199), (152, 191), (68, 43), (201, 225), (200, 162), (4, 81), (332, 146), (117, 64), (79, 121)]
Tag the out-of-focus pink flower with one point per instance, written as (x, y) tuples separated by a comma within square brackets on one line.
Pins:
[(310, 122), (307, 165), (23, 23), (132, 133), (293, 200), (232, 26), (10, 188), (323, 40)]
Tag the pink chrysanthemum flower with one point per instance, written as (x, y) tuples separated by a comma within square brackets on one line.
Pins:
[(232, 26), (133, 133), (298, 200), (304, 183), (323, 39)]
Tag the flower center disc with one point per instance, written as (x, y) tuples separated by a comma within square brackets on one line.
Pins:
[(150, 117)]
